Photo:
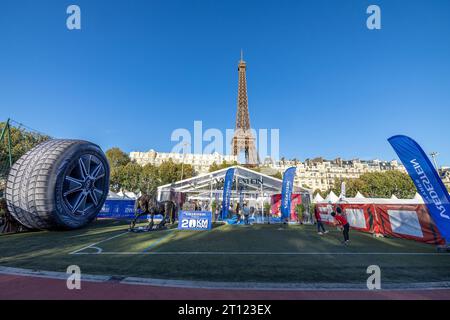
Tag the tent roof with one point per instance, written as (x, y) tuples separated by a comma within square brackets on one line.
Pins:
[(331, 197), (122, 194), (318, 198), (419, 198), (131, 195), (113, 195), (359, 195), (211, 183)]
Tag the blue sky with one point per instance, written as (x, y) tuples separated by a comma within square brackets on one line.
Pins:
[(140, 69)]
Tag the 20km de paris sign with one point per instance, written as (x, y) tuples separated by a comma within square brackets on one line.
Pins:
[(195, 220)]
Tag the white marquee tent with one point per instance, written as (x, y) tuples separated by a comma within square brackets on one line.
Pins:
[(359, 195), (317, 198), (332, 197), (253, 185)]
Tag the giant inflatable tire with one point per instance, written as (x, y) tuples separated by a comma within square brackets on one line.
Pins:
[(59, 184)]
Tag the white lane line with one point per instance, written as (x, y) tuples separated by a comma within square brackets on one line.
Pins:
[(92, 245), (268, 253)]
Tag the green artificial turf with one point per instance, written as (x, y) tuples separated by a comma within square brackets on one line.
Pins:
[(131, 254)]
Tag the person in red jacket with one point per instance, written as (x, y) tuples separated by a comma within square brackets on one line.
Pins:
[(342, 221)]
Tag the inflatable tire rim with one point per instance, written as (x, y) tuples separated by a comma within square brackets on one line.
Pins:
[(83, 184)]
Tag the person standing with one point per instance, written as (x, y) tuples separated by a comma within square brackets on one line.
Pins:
[(238, 213), (320, 227), (246, 214), (252, 212), (342, 221), (217, 213)]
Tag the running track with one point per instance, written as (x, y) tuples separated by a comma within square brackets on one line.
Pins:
[(31, 287)]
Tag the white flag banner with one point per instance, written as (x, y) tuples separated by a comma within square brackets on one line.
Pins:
[(343, 190)]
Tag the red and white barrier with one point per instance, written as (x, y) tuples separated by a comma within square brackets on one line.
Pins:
[(395, 218)]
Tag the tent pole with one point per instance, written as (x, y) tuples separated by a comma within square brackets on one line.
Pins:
[(7, 130), (210, 197), (237, 192), (262, 202)]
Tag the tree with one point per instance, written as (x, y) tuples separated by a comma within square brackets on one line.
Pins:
[(127, 177), (169, 172), (116, 157), (277, 175), (267, 207), (149, 179), (214, 205), (223, 165), (21, 142), (318, 191), (136, 178), (312, 208), (379, 185), (300, 210), (115, 179)]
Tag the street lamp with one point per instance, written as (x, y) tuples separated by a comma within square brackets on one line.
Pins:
[(433, 156)]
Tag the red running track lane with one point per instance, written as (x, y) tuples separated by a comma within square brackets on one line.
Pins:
[(28, 287)]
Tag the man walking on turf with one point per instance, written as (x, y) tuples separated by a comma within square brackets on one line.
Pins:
[(342, 221), (320, 227)]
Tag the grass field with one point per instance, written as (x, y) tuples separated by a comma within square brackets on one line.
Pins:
[(262, 253)]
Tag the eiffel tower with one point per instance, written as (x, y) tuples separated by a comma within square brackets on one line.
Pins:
[(243, 139)]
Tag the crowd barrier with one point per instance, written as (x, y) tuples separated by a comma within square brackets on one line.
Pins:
[(258, 219), (120, 209), (407, 221)]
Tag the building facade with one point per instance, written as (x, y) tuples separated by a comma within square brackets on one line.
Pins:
[(314, 174), (445, 175), (200, 162), (321, 174)]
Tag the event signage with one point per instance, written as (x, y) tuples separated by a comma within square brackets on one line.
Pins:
[(427, 181), (241, 181), (227, 185), (117, 209), (195, 220), (121, 209), (286, 192)]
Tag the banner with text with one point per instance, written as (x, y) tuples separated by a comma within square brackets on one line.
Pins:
[(427, 181), (286, 192), (195, 220), (227, 185)]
